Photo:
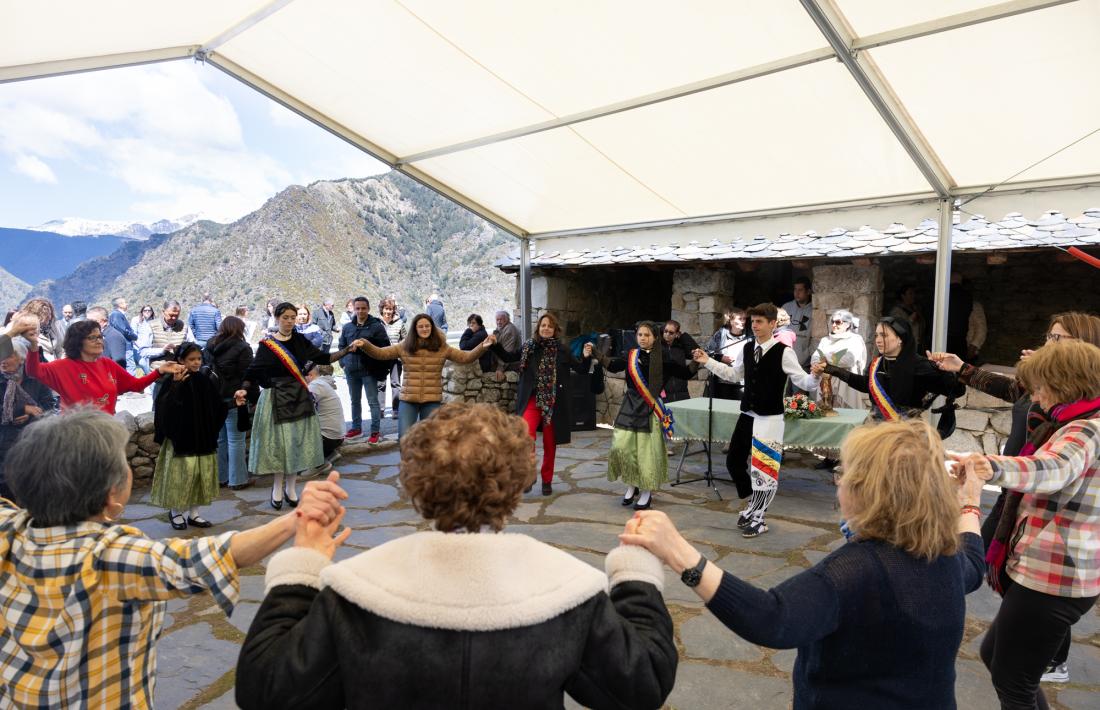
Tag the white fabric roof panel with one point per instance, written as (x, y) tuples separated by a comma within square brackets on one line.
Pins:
[(577, 115)]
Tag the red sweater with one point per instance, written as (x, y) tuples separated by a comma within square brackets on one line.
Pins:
[(79, 382)]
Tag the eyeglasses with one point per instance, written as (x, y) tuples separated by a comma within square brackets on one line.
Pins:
[(1055, 337), (838, 322), (94, 338)]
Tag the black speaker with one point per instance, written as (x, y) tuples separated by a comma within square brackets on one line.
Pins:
[(582, 403)]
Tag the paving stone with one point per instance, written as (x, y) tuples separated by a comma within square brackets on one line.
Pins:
[(1073, 699), (598, 508), (243, 615), (389, 516), (973, 688), (387, 472), (252, 587), (141, 512), (749, 567), (983, 603), (1084, 664), (588, 469), (782, 536), (226, 701), (773, 579), (383, 458), (587, 536), (525, 512), (189, 660), (800, 508), (373, 537), (353, 469), (260, 491), (705, 637), (571, 453), (716, 688), (367, 494), (784, 660)]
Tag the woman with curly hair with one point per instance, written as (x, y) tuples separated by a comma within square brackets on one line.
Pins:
[(543, 393), (494, 620)]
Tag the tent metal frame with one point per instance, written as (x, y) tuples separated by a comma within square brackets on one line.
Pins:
[(842, 44)]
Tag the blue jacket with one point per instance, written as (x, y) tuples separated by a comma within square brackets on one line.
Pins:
[(438, 315), (359, 364), (204, 321), (118, 320)]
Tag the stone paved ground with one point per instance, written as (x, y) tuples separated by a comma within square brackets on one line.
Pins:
[(198, 649)]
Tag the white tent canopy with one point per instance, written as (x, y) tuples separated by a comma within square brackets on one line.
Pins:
[(583, 115)]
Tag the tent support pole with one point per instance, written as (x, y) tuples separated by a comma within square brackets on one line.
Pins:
[(525, 287), (943, 276)]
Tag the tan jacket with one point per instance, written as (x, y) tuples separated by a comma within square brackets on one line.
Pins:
[(422, 376)]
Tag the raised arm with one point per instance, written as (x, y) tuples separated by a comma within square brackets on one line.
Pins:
[(467, 356), (854, 380), (390, 352), (1071, 452), (799, 377)]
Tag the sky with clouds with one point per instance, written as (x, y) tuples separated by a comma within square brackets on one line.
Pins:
[(153, 142)]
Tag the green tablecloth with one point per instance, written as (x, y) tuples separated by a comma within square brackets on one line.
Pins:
[(690, 416)]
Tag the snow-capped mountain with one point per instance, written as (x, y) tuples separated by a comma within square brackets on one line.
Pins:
[(79, 227)]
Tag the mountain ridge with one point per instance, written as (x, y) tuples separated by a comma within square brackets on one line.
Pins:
[(341, 238)]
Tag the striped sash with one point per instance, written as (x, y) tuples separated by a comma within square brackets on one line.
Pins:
[(664, 417), (879, 397)]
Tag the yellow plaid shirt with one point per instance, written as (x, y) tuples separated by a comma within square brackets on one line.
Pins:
[(83, 606)]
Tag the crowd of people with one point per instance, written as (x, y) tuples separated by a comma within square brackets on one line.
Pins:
[(505, 620)]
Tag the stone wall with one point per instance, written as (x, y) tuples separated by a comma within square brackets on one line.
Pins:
[(857, 288), (141, 451), (466, 383), (700, 299), (982, 423)]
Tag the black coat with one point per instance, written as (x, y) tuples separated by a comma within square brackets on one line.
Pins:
[(676, 387), (190, 413), (9, 433), (471, 340), (414, 624), (561, 418), (228, 359)]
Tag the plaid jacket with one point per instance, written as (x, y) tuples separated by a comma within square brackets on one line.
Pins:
[(83, 606), (1056, 543)]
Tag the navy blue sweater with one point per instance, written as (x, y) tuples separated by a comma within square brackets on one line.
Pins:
[(874, 626)]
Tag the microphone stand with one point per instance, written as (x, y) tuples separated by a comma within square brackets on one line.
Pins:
[(709, 475)]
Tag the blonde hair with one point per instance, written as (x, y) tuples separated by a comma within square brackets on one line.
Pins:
[(895, 477), (1069, 369)]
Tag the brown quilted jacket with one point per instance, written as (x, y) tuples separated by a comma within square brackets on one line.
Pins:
[(422, 379)]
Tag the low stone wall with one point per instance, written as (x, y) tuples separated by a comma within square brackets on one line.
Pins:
[(466, 383), (142, 450), (982, 423)]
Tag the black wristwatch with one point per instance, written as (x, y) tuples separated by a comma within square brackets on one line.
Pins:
[(691, 577)]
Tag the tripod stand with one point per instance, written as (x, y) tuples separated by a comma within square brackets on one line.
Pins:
[(708, 476)]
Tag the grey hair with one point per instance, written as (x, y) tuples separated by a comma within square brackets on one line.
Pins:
[(62, 468), (848, 317), (506, 314), (117, 300), (171, 304), (96, 312), (20, 346)]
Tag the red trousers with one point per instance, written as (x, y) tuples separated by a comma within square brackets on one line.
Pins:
[(533, 416)]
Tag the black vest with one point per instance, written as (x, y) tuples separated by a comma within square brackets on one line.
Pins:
[(765, 381)]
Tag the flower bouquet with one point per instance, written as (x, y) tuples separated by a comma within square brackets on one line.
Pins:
[(800, 406)]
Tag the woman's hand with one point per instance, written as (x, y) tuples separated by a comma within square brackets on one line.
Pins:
[(490, 339), (25, 324), (817, 369), (587, 350), (239, 397), (32, 411), (1025, 354), (947, 362), (699, 356), (178, 371), (653, 530), (321, 500), (312, 534), (972, 466)]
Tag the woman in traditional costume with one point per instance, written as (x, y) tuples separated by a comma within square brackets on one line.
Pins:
[(901, 383), (638, 455), (188, 416), (844, 348), (286, 435)]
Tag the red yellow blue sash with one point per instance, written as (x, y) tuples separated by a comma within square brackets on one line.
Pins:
[(664, 417), (283, 355), (879, 397)]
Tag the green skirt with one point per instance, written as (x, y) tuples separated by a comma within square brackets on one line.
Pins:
[(288, 447), (182, 482), (639, 458)]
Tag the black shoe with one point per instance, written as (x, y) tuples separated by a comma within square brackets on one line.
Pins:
[(628, 501), (223, 484), (743, 521), (644, 506), (292, 502), (178, 521), (755, 529), (199, 522), (826, 465), (547, 489), (276, 504)]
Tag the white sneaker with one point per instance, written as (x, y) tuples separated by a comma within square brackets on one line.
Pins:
[(1056, 674)]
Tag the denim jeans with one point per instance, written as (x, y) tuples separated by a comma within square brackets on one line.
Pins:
[(411, 412), (358, 384), (231, 450)]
